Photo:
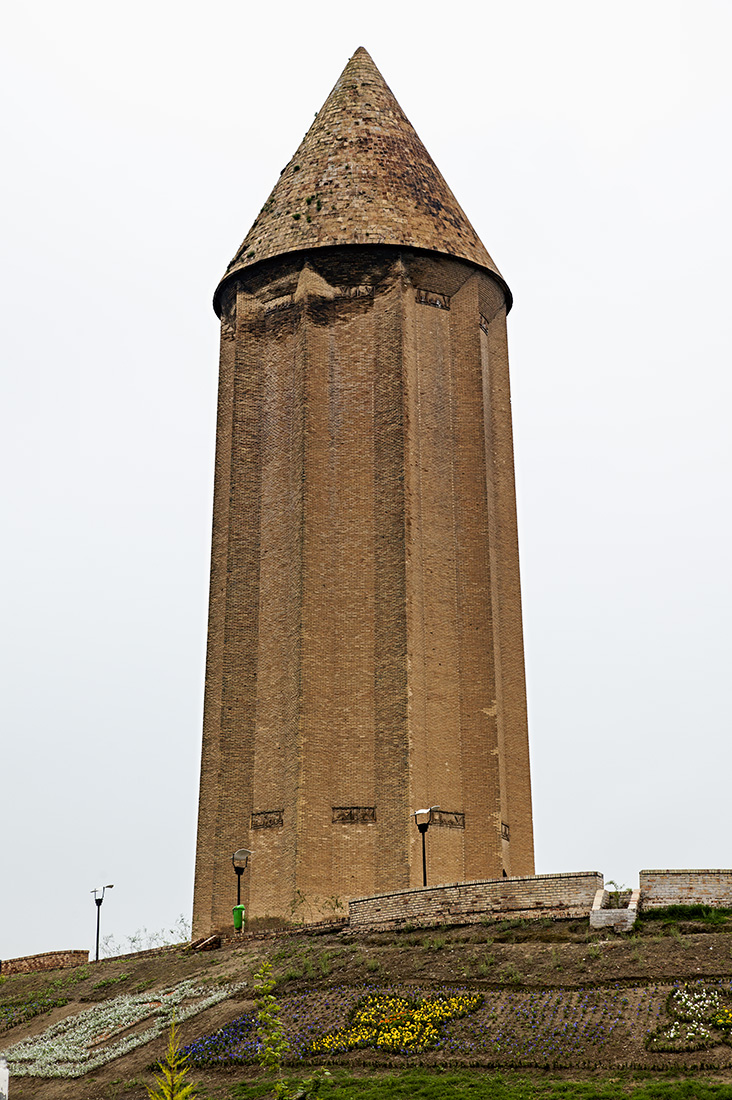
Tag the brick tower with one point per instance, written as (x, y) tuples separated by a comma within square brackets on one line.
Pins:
[(365, 653)]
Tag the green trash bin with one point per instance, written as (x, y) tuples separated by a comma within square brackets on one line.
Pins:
[(238, 912)]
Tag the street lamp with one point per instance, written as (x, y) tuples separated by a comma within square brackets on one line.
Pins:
[(422, 819), (239, 861), (99, 901)]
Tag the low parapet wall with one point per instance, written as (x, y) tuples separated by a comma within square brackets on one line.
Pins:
[(49, 960), (688, 887), (559, 896)]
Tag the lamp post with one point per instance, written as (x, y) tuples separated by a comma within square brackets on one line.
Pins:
[(99, 901), (422, 819), (239, 861)]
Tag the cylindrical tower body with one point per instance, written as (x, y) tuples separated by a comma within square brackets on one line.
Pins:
[(365, 652)]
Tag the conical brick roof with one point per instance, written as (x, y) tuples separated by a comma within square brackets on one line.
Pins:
[(361, 176)]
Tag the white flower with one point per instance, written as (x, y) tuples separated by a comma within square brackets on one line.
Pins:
[(80, 1043)]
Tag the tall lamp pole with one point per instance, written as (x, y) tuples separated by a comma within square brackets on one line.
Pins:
[(99, 901), (239, 861), (423, 819)]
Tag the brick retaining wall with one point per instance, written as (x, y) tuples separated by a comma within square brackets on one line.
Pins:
[(560, 896), (48, 960), (685, 887)]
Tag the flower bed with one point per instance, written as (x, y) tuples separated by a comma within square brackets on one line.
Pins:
[(89, 1039), (517, 1028), (554, 1027), (402, 1025), (701, 1017), (223, 1045)]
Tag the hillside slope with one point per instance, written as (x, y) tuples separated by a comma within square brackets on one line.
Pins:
[(553, 995)]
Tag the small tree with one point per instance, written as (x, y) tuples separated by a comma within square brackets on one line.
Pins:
[(274, 1045), (172, 1084)]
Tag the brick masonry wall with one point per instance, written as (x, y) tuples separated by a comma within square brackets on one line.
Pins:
[(48, 960), (365, 651), (559, 896), (686, 887), (365, 645)]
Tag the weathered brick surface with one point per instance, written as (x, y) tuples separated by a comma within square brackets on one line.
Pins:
[(361, 176), (48, 960), (686, 887), (365, 648), (559, 896)]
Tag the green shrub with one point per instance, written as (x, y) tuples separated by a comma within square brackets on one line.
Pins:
[(171, 1085)]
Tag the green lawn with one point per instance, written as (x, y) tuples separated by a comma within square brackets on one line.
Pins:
[(422, 1084)]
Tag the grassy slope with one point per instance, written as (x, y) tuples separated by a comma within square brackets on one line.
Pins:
[(507, 956), (421, 1084)]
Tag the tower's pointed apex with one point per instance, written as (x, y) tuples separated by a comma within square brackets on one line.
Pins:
[(361, 176)]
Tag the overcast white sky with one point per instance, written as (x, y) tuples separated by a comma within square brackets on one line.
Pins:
[(589, 143)]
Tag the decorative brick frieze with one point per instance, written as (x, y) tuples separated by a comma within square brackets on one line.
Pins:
[(268, 819), (449, 819), (431, 298), (354, 814), (354, 292)]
